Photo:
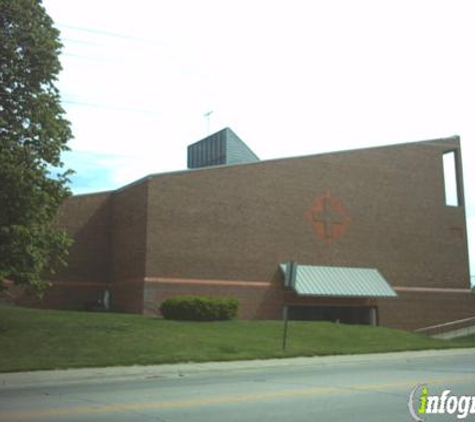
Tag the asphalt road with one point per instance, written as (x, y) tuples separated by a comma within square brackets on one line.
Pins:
[(365, 389)]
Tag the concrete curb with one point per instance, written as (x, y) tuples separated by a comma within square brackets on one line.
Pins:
[(118, 373)]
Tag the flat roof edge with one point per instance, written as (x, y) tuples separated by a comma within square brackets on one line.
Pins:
[(436, 141)]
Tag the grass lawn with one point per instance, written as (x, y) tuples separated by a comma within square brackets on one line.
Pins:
[(32, 339)]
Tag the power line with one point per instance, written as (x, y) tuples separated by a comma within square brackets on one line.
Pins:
[(76, 41), (112, 108), (11, 15), (108, 107), (122, 109), (98, 32), (90, 58)]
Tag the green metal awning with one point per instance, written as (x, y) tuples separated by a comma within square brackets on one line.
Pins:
[(309, 280)]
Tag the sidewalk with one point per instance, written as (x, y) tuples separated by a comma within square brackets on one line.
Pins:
[(118, 373)]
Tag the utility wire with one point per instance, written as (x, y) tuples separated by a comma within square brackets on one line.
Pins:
[(98, 32), (76, 41), (83, 29), (112, 108), (123, 109), (90, 58)]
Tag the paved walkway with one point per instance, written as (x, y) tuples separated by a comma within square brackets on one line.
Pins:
[(68, 376)]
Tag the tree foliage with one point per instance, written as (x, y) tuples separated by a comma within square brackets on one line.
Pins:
[(33, 134)]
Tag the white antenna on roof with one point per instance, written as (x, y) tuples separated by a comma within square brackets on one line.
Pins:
[(207, 116)]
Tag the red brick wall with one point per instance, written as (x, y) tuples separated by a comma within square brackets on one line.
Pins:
[(87, 220), (412, 310), (109, 249), (258, 300), (240, 222), (63, 295), (128, 237), (127, 296)]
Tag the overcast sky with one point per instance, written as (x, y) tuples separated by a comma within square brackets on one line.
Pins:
[(289, 77)]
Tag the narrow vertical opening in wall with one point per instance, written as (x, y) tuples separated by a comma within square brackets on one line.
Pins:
[(450, 179)]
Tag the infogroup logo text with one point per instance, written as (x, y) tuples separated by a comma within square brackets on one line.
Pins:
[(421, 403)]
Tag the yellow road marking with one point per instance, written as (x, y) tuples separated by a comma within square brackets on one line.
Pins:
[(213, 400)]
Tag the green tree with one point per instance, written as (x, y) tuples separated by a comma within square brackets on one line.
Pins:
[(33, 134)]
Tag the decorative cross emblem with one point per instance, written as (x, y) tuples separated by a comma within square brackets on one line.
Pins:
[(329, 217)]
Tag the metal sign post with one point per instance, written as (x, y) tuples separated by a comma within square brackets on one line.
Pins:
[(286, 323)]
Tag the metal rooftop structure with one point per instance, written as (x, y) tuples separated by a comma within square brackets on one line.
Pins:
[(221, 148)]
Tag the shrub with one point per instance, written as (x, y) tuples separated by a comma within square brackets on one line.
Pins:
[(199, 308)]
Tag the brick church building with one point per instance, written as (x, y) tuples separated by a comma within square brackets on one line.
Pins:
[(365, 236)]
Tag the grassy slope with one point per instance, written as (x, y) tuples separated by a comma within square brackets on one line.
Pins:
[(38, 339)]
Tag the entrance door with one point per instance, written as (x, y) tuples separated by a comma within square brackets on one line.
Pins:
[(362, 315)]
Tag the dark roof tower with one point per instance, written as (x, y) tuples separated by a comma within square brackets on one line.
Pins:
[(220, 148)]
